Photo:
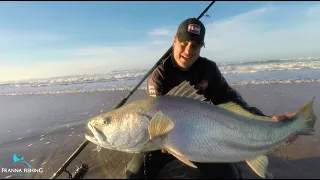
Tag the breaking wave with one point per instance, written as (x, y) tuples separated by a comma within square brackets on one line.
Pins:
[(226, 68), (260, 66), (143, 87), (78, 79), (260, 72)]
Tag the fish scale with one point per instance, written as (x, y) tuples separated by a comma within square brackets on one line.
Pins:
[(197, 131)]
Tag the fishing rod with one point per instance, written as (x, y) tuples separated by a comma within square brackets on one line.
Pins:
[(80, 172)]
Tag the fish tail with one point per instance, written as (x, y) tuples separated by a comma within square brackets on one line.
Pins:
[(306, 119)]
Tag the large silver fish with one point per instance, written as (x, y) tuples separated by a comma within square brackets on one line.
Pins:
[(193, 130)]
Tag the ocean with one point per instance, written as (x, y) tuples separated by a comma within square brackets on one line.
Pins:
[(259, 72), (44, 120)]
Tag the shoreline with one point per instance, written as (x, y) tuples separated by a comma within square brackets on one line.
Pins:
[(140, 88)]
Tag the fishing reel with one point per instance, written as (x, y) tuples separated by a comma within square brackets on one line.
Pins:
[(79, 173)]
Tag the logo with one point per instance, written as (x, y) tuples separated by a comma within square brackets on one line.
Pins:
[(27, 171), (16, 160), (194, 28), (152, 91), (203, 84)]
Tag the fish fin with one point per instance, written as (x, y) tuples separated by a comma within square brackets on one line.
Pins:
[(284, 152), (182, 159), (184, 89), (235, 108), (259, 165), (306, 118), (159, 125), (281, 152)]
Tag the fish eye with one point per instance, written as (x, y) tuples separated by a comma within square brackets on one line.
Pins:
[(106, 120)]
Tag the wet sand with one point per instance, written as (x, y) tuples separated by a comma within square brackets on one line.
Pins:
[(53, 126)]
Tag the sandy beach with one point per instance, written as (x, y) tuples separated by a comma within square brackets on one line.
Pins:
[(47, 129)]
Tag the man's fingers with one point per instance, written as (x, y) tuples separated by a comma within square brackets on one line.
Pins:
[(278, 118), (282, 117), (289, 115), (164, 151)]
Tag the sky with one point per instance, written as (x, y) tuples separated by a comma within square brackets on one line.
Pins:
[(49, 39)]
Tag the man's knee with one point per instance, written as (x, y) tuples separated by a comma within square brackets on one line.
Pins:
[(147, 164), (134, 169), (155, 162), (219, 170)]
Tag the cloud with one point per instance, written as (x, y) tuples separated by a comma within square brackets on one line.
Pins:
[(162, 42), (12, 36), (263, 34), (313, 12), (87, 61), (96, 51), (160, 32), (25, 40), (269, 32)]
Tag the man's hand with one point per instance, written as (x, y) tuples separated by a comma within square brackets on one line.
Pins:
[(285, 117), (164, 151)]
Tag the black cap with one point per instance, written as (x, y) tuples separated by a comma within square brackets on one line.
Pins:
[(191, 29)]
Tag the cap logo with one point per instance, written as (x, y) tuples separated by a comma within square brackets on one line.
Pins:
[(194, 28)]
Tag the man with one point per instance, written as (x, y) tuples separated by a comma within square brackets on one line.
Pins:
[(185, 63)]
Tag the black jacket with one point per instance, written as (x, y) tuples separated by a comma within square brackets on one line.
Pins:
[(206, 77)]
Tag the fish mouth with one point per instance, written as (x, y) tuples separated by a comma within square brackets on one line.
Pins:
[(98, 136)]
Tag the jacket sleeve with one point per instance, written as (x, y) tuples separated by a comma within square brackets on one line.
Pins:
[(225, 93), (155, 82)]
